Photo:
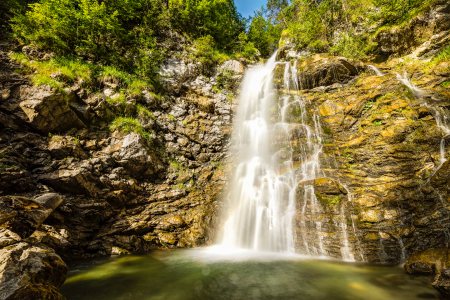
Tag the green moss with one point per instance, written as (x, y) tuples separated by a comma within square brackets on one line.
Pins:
[(369, 105), (334, 200), (377, 123), (327, 130), (445, 84)]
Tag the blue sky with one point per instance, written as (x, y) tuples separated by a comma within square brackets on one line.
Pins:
[(247, 7)]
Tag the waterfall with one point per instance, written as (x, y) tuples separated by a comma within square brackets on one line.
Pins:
[(418, 93), (273, 160), (377, 72), (286, 77), (294, 76), (261, 205)]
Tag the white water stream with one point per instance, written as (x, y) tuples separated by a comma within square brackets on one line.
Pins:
[(263, 200)]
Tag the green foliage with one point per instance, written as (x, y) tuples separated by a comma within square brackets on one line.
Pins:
[(171, 118), (205, 49), (110, 32), (120, 99), (9, 7), (224, 80), (264, 34), (179, 186), (216, 18), (377, 123), (143, 112), (349, 45), (127, 125), (41, 79), (175, 165), (395, 12), (445, 84), (74, 69), (368, 106), (444, 55), (76, 139)]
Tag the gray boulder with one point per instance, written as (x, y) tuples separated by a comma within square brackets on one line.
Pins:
[(133, 154)]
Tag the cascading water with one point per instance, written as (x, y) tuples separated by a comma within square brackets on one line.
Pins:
[(418, 93), (259, 219), (377, 72), (263, 199)]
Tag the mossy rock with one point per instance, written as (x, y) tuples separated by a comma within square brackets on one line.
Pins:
[(329, 201)]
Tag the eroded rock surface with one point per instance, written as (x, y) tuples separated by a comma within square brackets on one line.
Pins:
[(29, 272)]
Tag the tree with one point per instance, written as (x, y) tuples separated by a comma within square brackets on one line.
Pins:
[(264, 34)]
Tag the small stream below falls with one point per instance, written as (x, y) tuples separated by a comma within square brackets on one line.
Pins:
[(208, 274)]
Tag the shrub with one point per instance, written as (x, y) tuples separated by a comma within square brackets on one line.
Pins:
[(349, 45)]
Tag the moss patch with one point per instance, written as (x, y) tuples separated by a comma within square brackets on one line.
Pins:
[(334, 200)]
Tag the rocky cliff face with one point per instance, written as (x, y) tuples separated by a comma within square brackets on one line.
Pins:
[(68, 184), (384, 193)]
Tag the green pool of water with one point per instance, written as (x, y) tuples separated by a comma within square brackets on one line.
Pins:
[(205, 274)]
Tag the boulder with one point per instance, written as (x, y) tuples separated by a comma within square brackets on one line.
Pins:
[(29, 272), (133, 154), (35, 53), (326, 71), (77, 181), (61, 148), (47, 110), (442, 283), (175, 72), (328, 191), (428, 262), (232, 66)]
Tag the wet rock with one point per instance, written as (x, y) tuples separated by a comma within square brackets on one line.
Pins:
[(323, 71), (442, 283), (428, 261), (30, 272)]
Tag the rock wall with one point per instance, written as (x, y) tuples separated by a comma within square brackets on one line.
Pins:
[(107, 192), (424, 30), (382, 143)]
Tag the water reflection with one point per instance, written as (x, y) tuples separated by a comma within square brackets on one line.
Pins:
[(202, 274)]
